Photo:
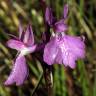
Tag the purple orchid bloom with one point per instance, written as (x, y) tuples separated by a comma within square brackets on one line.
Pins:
[(24, 45), (58, 26), (62, 48)]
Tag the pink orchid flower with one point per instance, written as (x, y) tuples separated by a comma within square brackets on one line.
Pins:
[(24, 45)]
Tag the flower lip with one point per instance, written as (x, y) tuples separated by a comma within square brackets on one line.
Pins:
[(64, 49), (19, 72)]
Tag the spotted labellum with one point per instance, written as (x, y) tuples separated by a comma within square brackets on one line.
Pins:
[(62, 48)]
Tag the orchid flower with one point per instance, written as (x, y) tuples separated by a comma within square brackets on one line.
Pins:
[(58, 26), (24, 45), (62, 48)]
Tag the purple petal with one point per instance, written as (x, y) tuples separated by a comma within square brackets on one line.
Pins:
[(50, 52), (76, 45), (15, 44), (59, 57), (64, 51), (72, 48), (69, 60), (19, 72), (21, 32), (65, 12), (49, 16), (29, 37), (60, 26), (72, 63)]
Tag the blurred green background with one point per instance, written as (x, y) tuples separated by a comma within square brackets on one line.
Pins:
[(81, 21)]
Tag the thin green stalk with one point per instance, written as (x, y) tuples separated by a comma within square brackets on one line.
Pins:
[(36, 87), (48, 79)]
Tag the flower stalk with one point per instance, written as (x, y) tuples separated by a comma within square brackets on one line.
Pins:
[(48, 79), (47, 68)]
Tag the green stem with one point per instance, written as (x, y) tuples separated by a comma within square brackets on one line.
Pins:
[(48, 79), (36, 87)]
